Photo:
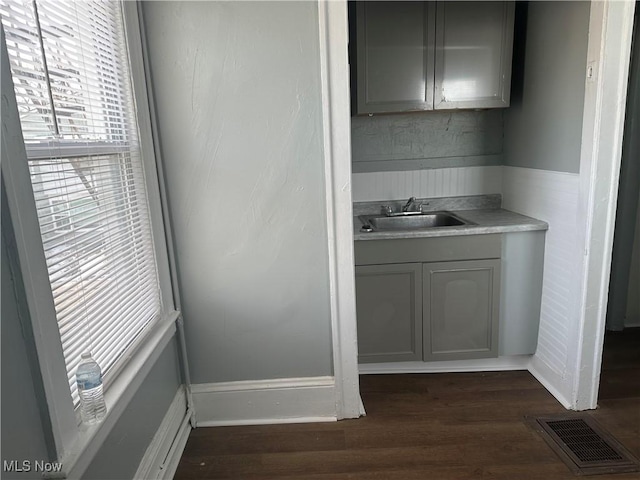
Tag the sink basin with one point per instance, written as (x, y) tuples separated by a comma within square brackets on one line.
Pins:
[(412, 222)]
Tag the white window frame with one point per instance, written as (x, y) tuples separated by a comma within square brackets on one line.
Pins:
[(75, 445)]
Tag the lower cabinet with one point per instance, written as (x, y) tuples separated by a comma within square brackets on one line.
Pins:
[(429, 310), (460, 309), (389, 309)]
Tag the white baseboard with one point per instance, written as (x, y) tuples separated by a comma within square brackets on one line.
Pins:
[(290, 400), (175, 453), (632, 322), (163, 453), (535, 370), (511, 362)]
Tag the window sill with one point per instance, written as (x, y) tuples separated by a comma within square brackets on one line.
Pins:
[(90, 438)]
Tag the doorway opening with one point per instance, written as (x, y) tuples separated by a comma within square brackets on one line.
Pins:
[(620, 377)]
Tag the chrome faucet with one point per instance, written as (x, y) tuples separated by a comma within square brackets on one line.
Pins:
[(410, 203)]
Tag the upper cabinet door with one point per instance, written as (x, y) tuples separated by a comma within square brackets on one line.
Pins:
[(474, 46), (395, 56)]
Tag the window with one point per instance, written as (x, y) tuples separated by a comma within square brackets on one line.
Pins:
[(73, 87)]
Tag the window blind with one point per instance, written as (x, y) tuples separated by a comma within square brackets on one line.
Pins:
[(70, 69)]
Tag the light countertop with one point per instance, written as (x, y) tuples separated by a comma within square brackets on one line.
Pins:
[(482, 221)]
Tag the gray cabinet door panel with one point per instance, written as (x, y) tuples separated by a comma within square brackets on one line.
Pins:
[(474, 48), (395, 56), (389, 312), (461, 309)]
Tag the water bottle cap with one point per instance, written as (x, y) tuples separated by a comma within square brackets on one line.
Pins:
[(86, 355)]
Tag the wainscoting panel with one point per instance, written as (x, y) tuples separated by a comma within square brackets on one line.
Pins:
[(430, 183), (552, 197)]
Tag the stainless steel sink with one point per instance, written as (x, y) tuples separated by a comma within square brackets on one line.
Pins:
[(411, 222)]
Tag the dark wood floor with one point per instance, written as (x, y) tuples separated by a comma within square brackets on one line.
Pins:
[(437, 426)]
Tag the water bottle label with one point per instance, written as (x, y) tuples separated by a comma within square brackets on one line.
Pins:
[(88, 384)]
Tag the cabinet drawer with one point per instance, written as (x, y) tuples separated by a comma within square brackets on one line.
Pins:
[(437, 249)]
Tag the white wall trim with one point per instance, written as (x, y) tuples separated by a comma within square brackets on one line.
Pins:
[(504, 363), (173, 430), (159, 229), (259, 402), (22, 208), (542, 373), (336, 121), (610, 36), (149, 103), (170, 465)]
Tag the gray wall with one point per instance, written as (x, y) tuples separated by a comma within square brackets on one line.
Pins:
[(23, 436), (420, 140), (238, 97), (543, 126)]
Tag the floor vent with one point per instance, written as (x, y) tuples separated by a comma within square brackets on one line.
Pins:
[(583, 445)]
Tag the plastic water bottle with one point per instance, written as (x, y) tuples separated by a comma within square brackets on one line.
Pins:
[(89, 379)]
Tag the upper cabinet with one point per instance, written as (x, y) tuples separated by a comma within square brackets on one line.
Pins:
[(474, 46), (396, 55), (433, 55)]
